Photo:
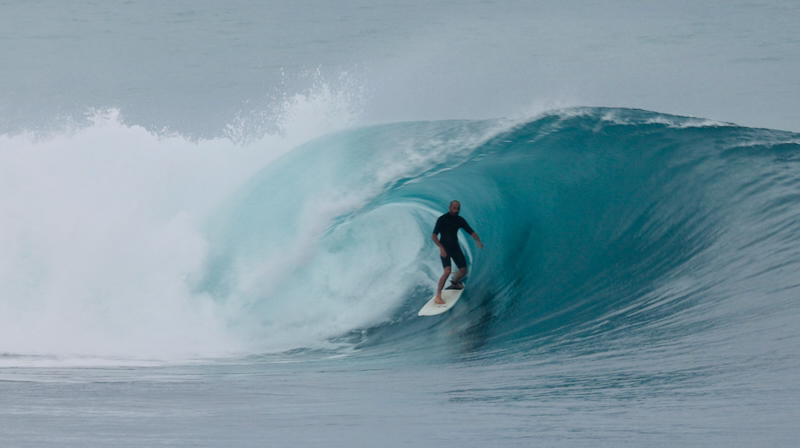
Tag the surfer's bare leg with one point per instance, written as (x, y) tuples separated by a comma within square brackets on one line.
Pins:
[(442, 280), (460, 274)]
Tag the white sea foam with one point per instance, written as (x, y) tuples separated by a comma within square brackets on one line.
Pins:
[(102, 226)]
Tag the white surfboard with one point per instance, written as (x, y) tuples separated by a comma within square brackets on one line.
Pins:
[(450, 297)]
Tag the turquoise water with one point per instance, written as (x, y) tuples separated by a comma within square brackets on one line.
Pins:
[(216, 224)]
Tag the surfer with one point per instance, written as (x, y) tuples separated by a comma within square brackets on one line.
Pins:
[(447, 225)]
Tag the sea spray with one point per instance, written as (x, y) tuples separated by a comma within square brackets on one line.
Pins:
[(103, 226)]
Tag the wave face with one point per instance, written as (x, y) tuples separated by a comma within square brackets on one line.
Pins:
[(600, 226)]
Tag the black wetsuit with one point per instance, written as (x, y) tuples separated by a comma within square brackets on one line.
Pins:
[(447, 226)]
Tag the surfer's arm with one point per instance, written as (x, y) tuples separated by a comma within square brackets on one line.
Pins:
[(476, 238), (438, 243)]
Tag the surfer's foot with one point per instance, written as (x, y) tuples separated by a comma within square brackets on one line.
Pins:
[(439, 301), (456, 285)]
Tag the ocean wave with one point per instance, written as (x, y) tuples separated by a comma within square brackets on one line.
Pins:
[(597, 222), (599, 225)]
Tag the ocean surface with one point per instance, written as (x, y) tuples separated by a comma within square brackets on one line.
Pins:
[(215, 223)]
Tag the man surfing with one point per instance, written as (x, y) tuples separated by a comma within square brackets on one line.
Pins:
[(447, 226)]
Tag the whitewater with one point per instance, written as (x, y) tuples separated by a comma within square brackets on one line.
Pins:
[(224, 239)]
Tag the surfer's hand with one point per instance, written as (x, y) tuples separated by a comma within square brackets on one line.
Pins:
[(480, 244), (443, 252)]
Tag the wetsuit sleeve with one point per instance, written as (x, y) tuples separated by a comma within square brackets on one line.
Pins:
[(437, 229), (466, 227)]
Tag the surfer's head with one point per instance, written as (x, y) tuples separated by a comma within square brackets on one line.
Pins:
[(455, 207)]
